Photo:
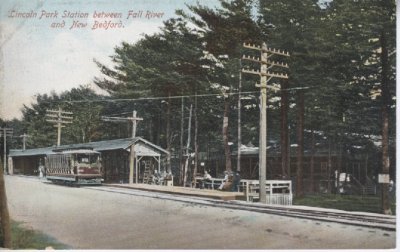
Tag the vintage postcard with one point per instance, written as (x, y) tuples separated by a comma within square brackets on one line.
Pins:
[(185, 124)]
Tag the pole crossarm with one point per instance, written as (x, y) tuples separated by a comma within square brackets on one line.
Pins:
[(134, 119), (254, 59), (59, 111), (24, 137), (275, 88), (276, 75), (59, 117), (278, 64), (8, 132), (268, 74), (120, 119), (276, 52), (266, 49), (132, 156), (113, 119), (58, 121), (252, 46), (252, 71), (7, 135), (268, 62), (7, 129)]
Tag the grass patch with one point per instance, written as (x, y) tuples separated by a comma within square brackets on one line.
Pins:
[(358, 203), (27, 238)]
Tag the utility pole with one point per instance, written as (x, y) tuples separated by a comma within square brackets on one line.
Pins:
[(134, 119), (239, 151), (265, 76), (24, 137), (5, 132), (187, 147), (182, 152), (59, 117), (5, 224)]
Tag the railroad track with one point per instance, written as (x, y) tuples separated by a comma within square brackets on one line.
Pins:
[(370, 220), (336, 216)]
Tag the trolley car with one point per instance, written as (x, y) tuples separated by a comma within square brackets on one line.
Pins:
[(74, 167)]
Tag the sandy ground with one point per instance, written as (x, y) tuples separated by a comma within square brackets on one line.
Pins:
[(88, 219)]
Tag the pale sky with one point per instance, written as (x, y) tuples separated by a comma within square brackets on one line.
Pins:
[(36, 58)]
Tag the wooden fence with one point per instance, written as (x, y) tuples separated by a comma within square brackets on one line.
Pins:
[(279, 192)]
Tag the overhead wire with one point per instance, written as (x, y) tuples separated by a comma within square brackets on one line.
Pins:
[(174, 97), (156, 98)]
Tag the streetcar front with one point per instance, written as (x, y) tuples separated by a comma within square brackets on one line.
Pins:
[(87, 166)]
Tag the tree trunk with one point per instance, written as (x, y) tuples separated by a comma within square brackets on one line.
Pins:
[(196, 146), (312, 161), (187, 148), (4, 215), (284, 129), (329, 165), (150, 130), (300, 142), (339, 164), (385, 122), (168, 133), (228, 163), (159, 128)]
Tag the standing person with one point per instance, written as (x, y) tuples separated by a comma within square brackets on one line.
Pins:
[(236, 181), (41, 169)]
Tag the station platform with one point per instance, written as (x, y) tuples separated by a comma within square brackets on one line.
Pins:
[(187, 191)]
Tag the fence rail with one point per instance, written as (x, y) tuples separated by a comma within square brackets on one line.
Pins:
[(279, 192)]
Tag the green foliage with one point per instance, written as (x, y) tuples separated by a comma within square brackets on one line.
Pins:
[(344, 202), (84, 127), (27, 238), (224, 30), (335, 54)]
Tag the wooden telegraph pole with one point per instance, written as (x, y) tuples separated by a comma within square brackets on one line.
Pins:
[(24, 137), (4, 214), (239, 151), (134, 119), (5, 132), (265, 76), (59, 117)]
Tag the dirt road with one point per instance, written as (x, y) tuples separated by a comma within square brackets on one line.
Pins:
[(89, 219)]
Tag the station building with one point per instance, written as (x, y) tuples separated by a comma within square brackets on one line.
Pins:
[(115, 158)]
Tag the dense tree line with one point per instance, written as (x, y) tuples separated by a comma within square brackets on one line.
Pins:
[(341, 87)]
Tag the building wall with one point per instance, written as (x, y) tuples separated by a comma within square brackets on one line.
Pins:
[(115, 166), (26, 165)]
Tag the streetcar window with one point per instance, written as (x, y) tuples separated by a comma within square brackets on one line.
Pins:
[(87, 159)]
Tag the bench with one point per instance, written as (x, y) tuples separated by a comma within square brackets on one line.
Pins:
[(212, 183)]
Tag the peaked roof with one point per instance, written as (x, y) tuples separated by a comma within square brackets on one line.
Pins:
[(105, 145)]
